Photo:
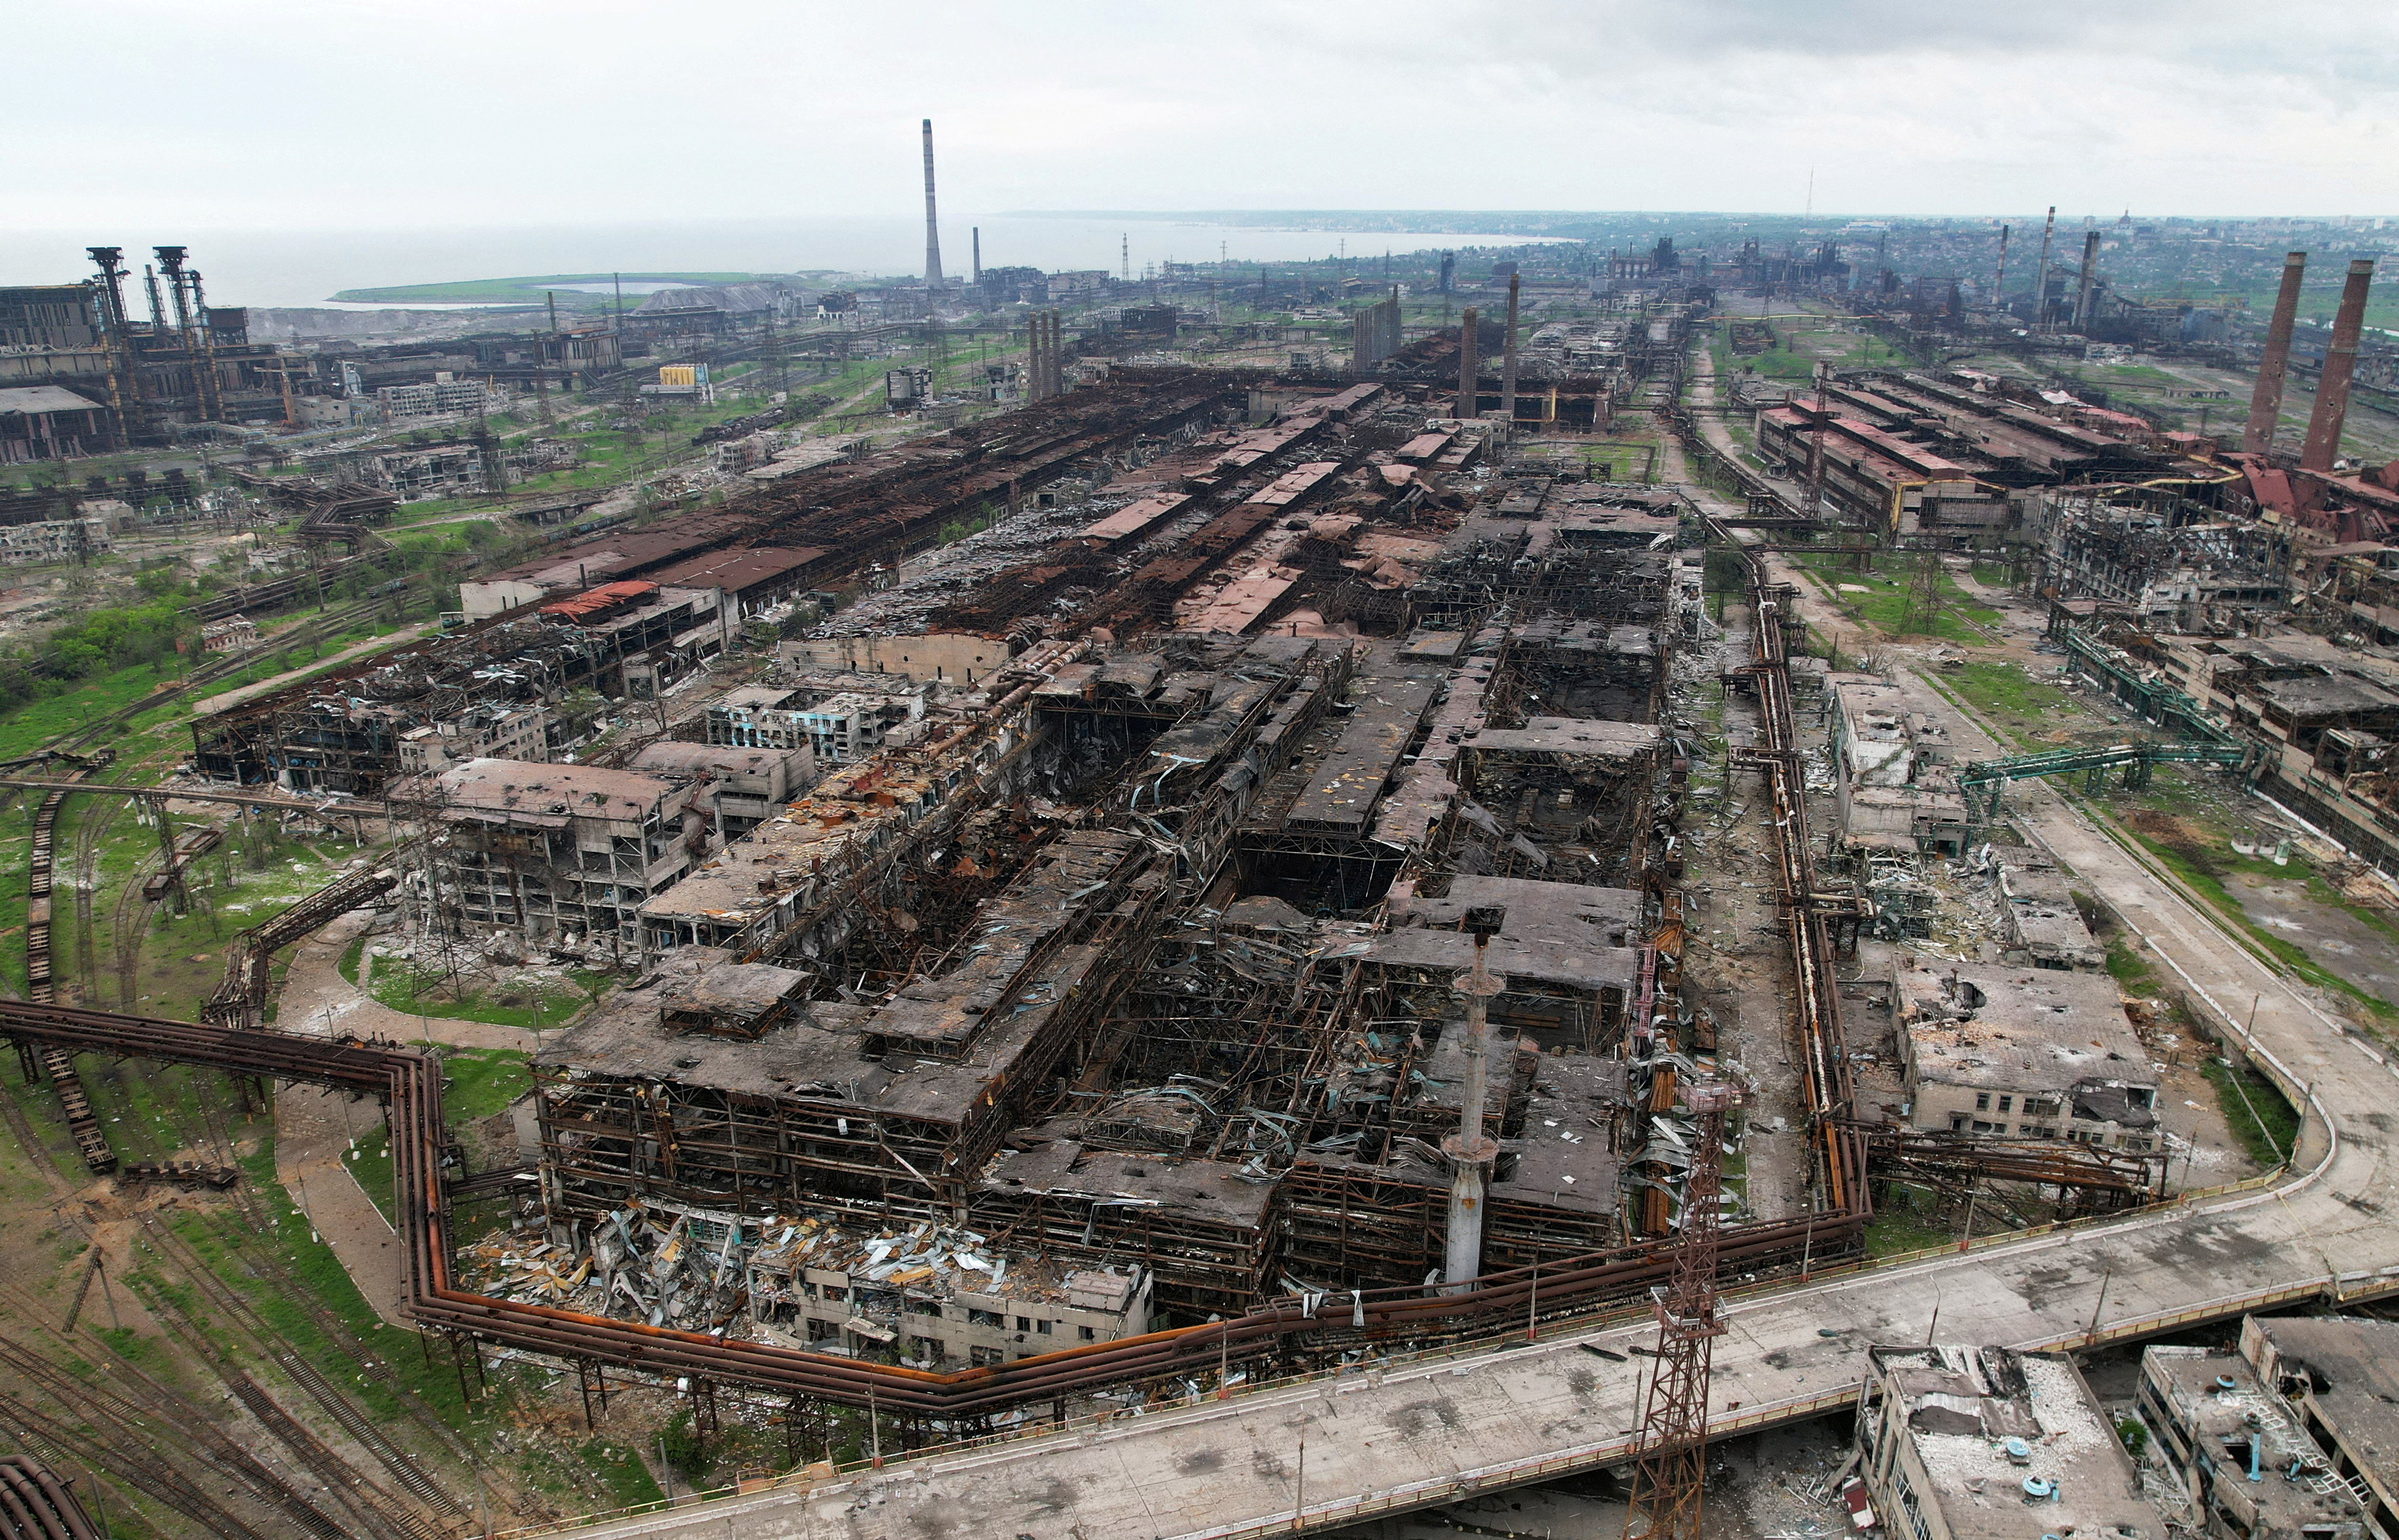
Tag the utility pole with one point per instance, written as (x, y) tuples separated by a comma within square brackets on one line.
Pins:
[(1669, 1482)]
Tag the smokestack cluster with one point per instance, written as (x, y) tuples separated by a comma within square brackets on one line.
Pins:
[(933, 231), (2340, 361), (2266, 400), (1044, 374)]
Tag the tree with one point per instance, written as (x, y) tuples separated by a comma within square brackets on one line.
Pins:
[(1923, 613), (577, 708)]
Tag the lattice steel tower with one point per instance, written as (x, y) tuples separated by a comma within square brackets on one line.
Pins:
[(1670, 1480)]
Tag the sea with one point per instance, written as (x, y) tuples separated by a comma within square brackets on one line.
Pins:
[(291, 268)]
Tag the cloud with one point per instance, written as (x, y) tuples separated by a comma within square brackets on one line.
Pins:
[(396, 112)]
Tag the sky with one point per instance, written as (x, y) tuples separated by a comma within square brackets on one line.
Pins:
[(383, 114)]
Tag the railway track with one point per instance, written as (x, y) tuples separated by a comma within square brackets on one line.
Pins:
[(89, 832), (363, 1506), (409, 1084), (141, 1415), (83, 1125), (346, 1413)]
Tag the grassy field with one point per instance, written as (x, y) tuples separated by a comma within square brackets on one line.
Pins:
[(2203, 867), (476, 1083), (536, 1004), (2033, 712), (1884, 597)]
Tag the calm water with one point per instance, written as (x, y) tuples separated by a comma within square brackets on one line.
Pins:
[(306, 267)]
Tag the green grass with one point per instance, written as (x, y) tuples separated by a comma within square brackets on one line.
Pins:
[(324, 1277), (2008, 698), (2257, 1112), (476, 1083), (1888, 601), (2122, 373), (480, 1083), (620, 1473), (369, 1161), (2203, 872), (426, 992), (1896, 1229), (2128, 967), (36, 724)]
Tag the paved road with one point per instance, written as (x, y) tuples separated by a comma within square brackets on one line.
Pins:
[(1417, 1435)]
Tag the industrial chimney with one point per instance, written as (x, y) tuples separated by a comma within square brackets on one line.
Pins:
[(2040, 281), (2340, 360), (1469, 365), (2266, 400), (2088, 276), (933, 231)]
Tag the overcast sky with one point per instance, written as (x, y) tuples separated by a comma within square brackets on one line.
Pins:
[(368, 113)]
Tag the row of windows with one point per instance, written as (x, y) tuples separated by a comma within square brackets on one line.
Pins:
[(834, 1293), (2137, 1144), (2034, 1106)]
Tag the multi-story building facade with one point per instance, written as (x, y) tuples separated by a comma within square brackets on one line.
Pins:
[(565, 852), (2029, 1053)]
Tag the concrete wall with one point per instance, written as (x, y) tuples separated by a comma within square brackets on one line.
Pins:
[(944, 656)]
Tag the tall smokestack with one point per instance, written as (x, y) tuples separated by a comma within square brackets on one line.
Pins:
[(2266, 400), (1508, 364), (2083, 283), (1999, 280), (1470, 367), (2340, 358), (974, 236), (933, 231), (2040, 275)]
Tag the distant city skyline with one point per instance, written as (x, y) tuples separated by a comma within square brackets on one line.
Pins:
[(435, 114)]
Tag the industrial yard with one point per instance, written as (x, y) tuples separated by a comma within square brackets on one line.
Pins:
[(1670, 877)]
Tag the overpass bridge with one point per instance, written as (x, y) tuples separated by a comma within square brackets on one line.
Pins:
[(1401, 1435)]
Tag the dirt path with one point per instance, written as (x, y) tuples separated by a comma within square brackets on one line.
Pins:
[(314, 1129), (218, 703), (316, 1001), (313, 1133)]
